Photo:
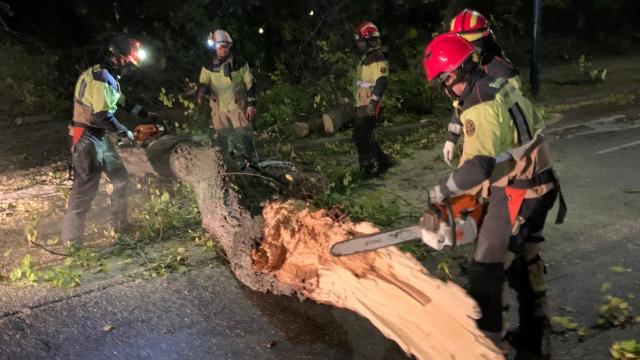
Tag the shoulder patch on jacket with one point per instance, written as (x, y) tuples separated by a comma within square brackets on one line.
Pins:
[(469, 128)]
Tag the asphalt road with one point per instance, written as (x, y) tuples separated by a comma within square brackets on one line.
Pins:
[(207, 314)]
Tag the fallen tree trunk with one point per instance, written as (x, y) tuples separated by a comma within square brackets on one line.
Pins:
[(286, 252)]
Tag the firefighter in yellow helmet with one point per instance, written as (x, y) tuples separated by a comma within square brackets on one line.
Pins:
[(474, 27), (371, 82), (505, 159), (97, 96), (230, 83)]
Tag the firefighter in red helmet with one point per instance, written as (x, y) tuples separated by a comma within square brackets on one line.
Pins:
[(96, 98), (371, 82), (505, 159)]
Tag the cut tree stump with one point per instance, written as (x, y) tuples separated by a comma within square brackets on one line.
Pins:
[(335, 119), (286, 252)]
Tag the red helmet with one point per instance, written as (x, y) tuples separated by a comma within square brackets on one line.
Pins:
[(129, 49), (366, 29), (444, 54), (471, 25)]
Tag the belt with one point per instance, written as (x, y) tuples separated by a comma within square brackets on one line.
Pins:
[(541, 178), (95, 131)]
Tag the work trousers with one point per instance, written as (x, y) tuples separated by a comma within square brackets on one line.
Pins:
[(525, 273), (92, 155), (372, 160)]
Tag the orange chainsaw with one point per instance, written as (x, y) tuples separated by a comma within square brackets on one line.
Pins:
[(146, 133), (454, 222)]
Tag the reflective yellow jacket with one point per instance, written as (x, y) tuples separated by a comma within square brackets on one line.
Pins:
[(231, 83), (371, 78), (96, 99), (497, 118)]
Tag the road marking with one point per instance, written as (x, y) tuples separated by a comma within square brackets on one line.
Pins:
[(619, 147), (602, 120)]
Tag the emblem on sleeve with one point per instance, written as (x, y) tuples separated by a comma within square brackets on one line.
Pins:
[(383, 70), (469, 127)]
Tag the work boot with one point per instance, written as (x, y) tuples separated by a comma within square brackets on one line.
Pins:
[(382, 165), (532, 340), (522, 344)]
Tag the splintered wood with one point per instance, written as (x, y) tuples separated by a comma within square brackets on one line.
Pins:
[(428, 318)]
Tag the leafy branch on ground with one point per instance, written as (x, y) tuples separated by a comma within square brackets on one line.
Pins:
[(625, 350)]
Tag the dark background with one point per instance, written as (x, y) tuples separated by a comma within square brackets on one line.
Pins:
[(299, 57)]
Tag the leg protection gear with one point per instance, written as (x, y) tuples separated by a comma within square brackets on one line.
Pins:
[(119, 177), (87, 170), (486, 288), (526, 277), (372, 160)]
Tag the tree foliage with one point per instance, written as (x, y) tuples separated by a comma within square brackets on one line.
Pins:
[(303, 57)]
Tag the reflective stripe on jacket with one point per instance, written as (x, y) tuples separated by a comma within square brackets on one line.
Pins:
[(96, 98)]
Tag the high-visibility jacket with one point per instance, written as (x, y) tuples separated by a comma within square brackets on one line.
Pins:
[(495, 66), (371, 80), (97, 96), (231, 83), (503, 140)]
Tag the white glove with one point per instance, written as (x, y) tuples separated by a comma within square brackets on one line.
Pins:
[(447, 151)]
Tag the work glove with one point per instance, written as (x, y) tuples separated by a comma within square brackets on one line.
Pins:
[(126, 139), (447, 151), (372, 107), (250, 113)]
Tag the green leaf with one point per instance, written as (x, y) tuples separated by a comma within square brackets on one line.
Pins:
[(564, 322), (619, 269), (583, 331), (26, 262), (32, 278), (15, 274)]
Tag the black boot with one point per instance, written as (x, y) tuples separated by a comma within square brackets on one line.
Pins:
[(531, 339)]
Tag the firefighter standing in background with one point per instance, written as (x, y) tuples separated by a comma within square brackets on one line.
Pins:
[(230, 83), (371, 82), (96, 98), (474, 27), (505, 155)]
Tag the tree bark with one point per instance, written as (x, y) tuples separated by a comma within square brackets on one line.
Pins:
[(237, 231)]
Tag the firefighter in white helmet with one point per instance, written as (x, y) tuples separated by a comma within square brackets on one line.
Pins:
[(229, 82)]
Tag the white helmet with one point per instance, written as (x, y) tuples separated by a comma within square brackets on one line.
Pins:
[(217, 37)]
